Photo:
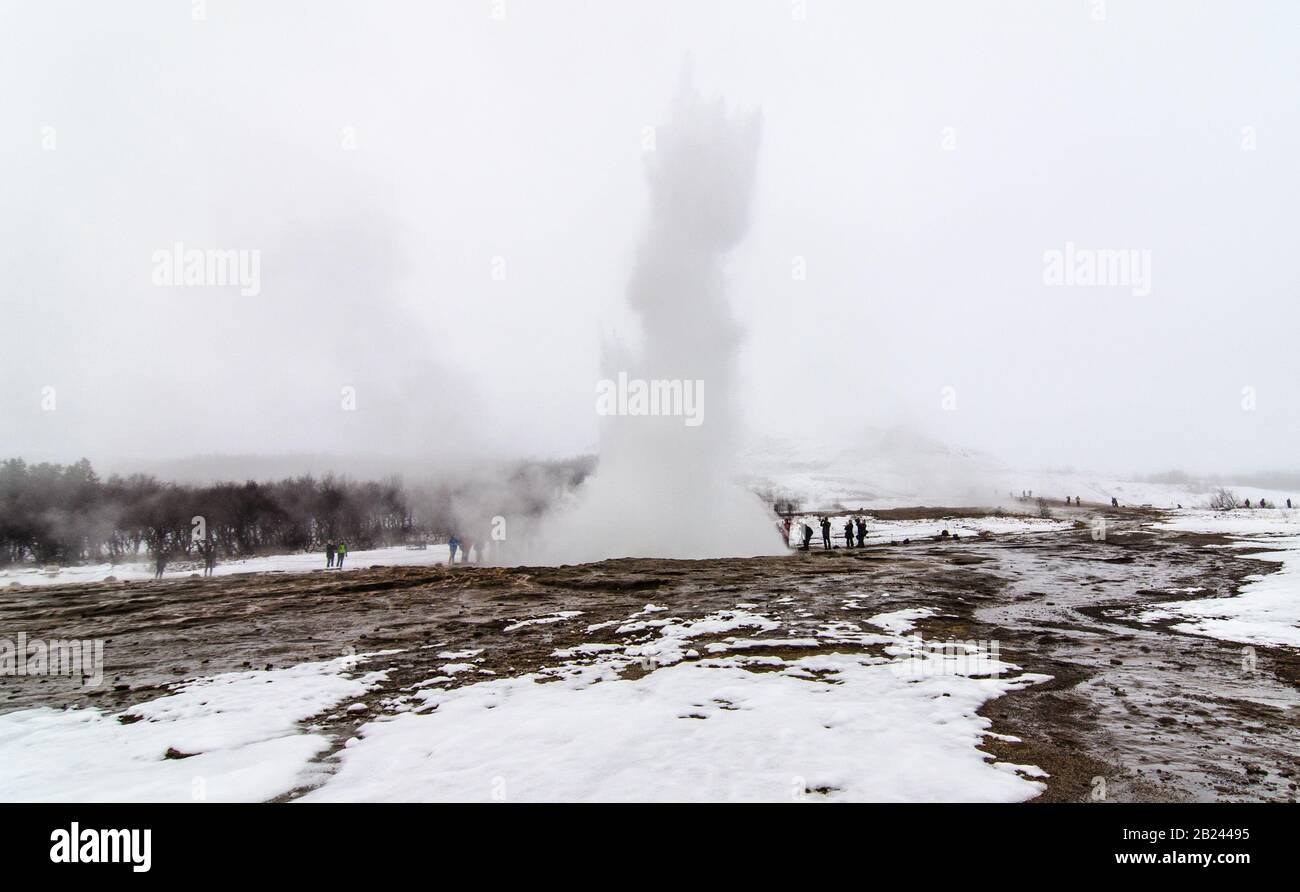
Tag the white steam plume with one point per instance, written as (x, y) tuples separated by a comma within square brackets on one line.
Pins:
[(663, 487)]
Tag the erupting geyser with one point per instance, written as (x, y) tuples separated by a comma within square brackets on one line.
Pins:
[(664, 486)]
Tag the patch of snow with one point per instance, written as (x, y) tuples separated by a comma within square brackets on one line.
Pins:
[(237, 733), (827, 727), (586, 649), (544, 620), (302, 562), (900, 621), (731, 644), (670, 646), (1266, 609)]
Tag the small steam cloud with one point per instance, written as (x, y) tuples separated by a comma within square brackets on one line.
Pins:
[(665, 485)]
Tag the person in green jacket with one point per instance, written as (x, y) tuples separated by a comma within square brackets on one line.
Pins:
[(341, 554)]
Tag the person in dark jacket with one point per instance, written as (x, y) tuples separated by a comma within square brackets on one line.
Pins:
[(807, 536), (329, 555), (862, 532), (848, 533), (826, 533)]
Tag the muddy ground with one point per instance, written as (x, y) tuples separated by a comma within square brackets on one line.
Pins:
[(1134, 712)]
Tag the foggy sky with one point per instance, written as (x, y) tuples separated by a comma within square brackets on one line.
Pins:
[(917, 159)]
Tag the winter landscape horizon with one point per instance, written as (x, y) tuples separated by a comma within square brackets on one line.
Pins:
[(538, 402)]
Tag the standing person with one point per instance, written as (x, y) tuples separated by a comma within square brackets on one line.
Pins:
[(329, 555), (848, 533), (807, 536), (341, 554), (1288, 503), (862, 532), (826, 533), (452, 544), (210, 558)]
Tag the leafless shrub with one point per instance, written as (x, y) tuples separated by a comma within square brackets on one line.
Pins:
[(1224, 500)]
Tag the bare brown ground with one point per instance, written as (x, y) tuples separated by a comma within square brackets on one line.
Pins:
[(1134, 711)]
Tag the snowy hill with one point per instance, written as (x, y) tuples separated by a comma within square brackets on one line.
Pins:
[(899, 468)]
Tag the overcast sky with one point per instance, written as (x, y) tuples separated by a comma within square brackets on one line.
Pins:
[(447, 198)]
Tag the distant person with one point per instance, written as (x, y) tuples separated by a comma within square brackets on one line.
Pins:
[(1261, 503), (862, 532), (1067, 500), (452, 544), (1114, 502), (159, 563), (1246, 504), (848, 533), (807, 536), (341, 554), (209, 559), (329, 555), (826, 533), (1288, 503)]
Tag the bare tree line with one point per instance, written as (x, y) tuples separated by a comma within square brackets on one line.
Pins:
[(66, 514)]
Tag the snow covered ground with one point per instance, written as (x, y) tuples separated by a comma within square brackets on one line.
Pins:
[(1266, 610), (832, 726), (398, 556), (233, 737), (898, 530), (701, 720)]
